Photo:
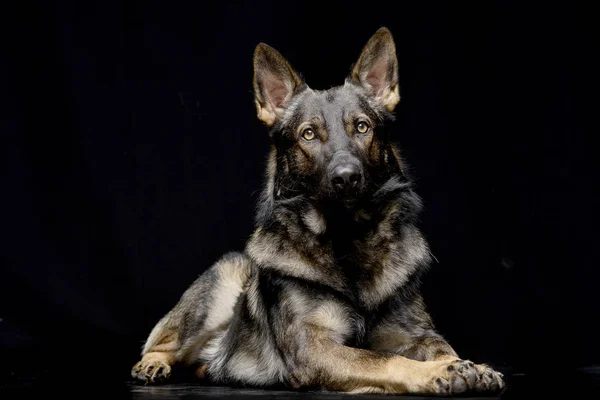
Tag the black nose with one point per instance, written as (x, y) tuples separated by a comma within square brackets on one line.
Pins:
[(345, 176)]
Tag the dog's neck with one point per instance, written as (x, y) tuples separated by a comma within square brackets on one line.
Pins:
[(321, 215)]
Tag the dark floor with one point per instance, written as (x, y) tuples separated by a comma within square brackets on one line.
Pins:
[(581, 384), (191, 392)]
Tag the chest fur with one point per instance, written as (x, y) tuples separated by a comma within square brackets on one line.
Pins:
[(367, 268)]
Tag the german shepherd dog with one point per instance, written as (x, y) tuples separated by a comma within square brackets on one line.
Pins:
[(325, 296)]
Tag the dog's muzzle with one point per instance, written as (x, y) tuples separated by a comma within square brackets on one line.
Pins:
[(346, 175)]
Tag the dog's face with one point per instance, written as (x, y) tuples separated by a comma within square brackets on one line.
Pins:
[(330, 144)]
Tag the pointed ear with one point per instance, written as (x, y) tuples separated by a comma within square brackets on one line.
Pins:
[(275, 83), (377, 69)]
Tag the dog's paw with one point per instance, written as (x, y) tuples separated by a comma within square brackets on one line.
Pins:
[(151, 369), (462, 376), (488, 379)]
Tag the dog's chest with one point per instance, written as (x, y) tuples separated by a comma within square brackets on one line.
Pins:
[(374, 265), (359, 323), (368, 277)]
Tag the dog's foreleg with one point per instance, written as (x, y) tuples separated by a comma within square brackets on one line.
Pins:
[(428, 346), (335, 367)]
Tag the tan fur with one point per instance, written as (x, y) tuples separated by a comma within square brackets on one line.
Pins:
[(341, 368), (161, 335), (201, 371), (266, 114), (391, 98), (154, 366)]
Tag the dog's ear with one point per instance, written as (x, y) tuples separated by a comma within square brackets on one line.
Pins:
[(275, 83), (377, 69)]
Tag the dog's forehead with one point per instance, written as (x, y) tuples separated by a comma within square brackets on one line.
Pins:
[(336, 102)]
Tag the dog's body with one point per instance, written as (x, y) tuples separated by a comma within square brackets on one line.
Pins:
[(326, 294)]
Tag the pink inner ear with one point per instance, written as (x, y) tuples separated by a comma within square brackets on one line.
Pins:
[(275, 90), (377, 75), (278, 96)]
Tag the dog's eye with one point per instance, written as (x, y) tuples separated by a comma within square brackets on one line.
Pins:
[(308, 134), (362, 127)]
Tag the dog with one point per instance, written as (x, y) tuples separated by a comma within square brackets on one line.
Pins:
[(325, 295)]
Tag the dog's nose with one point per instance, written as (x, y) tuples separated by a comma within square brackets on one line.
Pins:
[(345, 176)]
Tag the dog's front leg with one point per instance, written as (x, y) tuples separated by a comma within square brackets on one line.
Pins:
[(311, 333), (430, 346), (407, 330), (331, 366), (311, 328)]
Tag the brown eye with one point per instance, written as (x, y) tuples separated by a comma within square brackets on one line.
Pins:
[(308, 134), (362, 127)]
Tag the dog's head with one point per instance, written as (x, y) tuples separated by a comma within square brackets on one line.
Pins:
[(330, 144)]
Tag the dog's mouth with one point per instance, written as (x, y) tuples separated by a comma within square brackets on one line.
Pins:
[(347, 199)]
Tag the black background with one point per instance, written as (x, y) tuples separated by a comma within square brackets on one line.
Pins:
[(132, 159)]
